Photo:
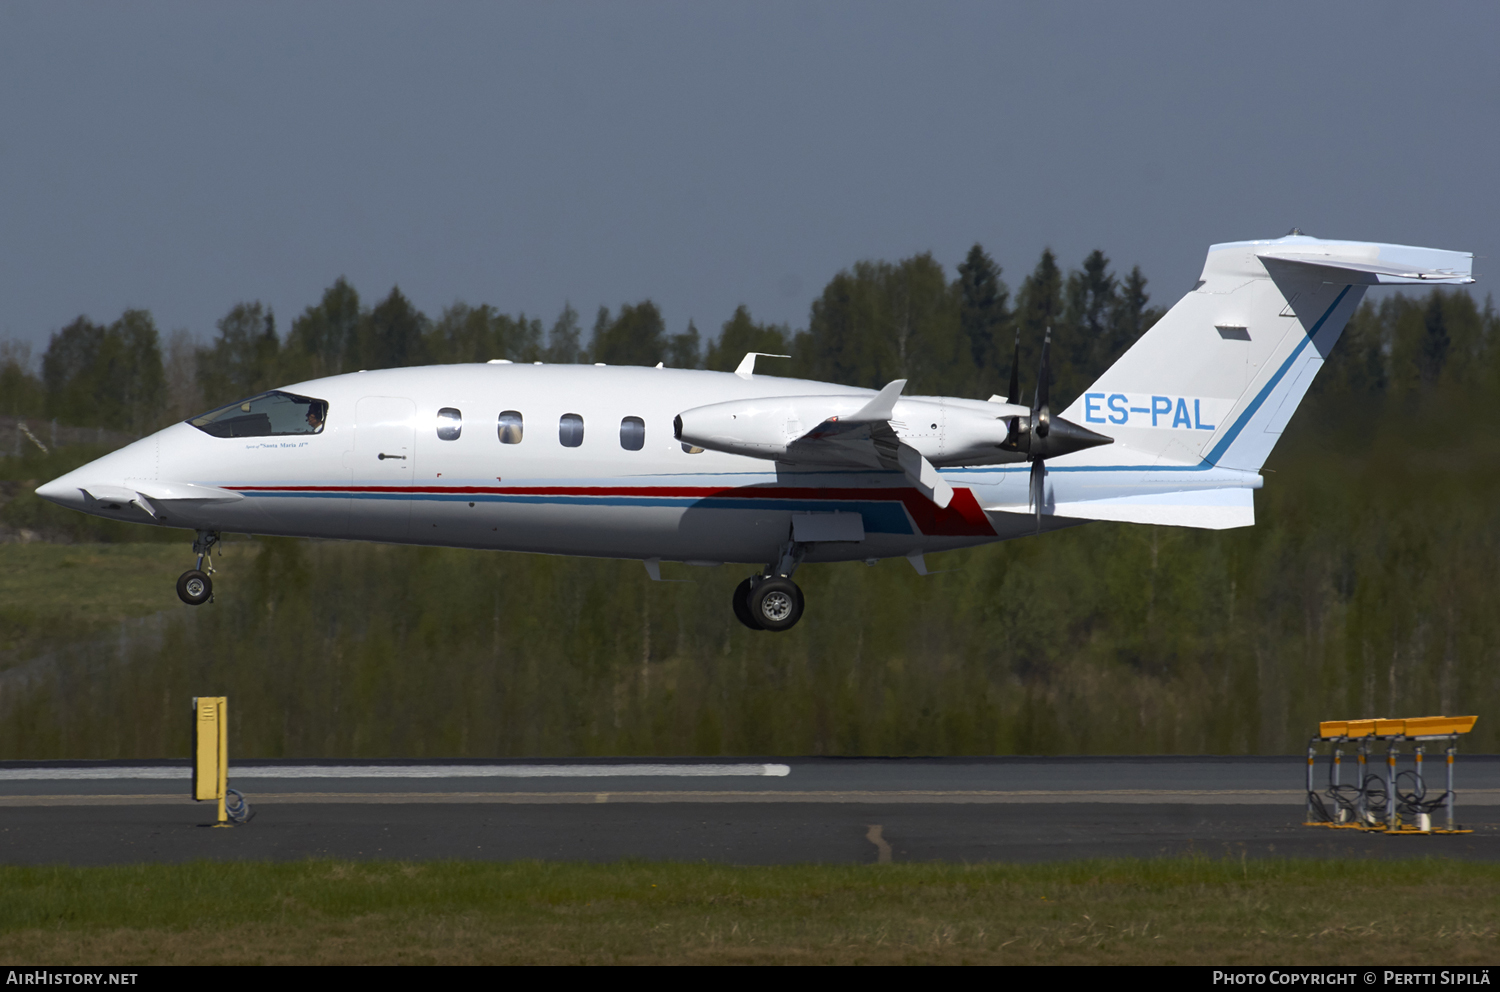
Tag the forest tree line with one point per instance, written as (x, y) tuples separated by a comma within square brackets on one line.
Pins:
[(873, 322), (1365, 588)]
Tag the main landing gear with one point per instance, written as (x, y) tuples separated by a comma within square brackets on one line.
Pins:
[(195, 587), (772, 601)]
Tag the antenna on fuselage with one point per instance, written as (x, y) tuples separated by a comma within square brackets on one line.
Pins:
[(747, 364)]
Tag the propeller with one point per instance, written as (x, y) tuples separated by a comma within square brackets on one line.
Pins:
[(1041, 426), (1041, 435)]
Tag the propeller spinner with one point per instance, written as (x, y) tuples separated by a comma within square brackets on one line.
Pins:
[(1041, 436)]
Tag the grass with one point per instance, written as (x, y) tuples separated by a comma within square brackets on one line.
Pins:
[(1180, 911), (57, 592)]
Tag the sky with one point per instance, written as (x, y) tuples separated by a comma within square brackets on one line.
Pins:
[(184, 157)]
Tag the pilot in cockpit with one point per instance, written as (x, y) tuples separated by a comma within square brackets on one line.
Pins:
[(315, 417)]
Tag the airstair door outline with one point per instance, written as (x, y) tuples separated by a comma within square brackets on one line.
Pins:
[(384, 465)]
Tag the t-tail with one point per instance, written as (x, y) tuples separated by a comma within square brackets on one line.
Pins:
[(1208, 390)]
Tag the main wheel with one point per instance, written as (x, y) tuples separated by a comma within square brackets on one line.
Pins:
[(194, 587), (742, 604), (776, 604)]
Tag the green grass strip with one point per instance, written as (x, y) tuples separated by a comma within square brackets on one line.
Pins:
[(1182, 911)]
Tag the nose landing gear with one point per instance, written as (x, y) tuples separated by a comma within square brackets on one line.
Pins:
[(772, 601), (195, 586)]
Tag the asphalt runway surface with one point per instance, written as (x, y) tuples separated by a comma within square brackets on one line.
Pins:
[(739, 811)]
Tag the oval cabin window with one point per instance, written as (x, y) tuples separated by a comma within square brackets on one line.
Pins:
[(570, 430), (450, 424), (632, 433), (512, 426)]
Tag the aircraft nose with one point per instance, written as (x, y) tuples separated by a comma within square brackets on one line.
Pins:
[(61, 491)]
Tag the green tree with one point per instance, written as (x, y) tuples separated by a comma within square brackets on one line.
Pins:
[(1092, 300), (564, 340), (636, 337), (391, 335), (479, 334), (1433, 354), (984, 315), (1133, 315), (879, 322), (1356, 370), (324, 340), (242, 360), (72, 373), (685, 350), (602, 321), (741, 334), (21, 391), (1039, 307), (136, 380), (106, 376)]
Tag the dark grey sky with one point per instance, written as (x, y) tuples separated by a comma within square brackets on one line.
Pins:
[(183, 157)]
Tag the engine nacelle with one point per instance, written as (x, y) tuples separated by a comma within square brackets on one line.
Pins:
[(760, 428), (946, 430)]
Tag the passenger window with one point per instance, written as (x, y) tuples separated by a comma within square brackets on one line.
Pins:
[(632, 433), (266, 415), (691, 449), (511, 427), (450, 424), (570, 430)]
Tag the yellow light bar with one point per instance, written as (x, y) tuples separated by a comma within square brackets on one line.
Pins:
[(1421, 726)]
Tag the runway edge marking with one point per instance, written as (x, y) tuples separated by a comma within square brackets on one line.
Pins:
[(1484, 797)]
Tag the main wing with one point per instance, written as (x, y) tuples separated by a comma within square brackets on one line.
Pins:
[(865, 439), (849, 432)]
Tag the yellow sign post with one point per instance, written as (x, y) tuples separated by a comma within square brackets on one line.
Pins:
[(211, 752)]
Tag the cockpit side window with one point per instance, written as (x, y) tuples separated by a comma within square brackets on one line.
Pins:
[(270, 414)]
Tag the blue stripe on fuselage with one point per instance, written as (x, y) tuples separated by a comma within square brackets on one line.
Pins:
[(880, 516)]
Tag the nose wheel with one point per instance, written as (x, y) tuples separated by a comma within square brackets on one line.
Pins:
[(196, 586)]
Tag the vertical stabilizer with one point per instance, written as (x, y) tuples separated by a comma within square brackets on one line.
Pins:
[(1217, 379)]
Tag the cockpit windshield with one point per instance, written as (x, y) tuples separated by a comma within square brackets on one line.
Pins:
[(267, 415)]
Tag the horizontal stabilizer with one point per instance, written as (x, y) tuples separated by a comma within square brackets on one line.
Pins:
[(1380, 265)]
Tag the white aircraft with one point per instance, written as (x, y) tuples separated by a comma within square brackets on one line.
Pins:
[(682, 465)]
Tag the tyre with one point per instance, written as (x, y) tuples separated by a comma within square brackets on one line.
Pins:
[(742, 604), (194, 587), (776, 604)]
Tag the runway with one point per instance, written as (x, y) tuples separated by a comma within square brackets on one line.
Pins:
[(743, 811)]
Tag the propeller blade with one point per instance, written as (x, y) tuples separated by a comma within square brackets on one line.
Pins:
[(1036, 489), (1041, 415)]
